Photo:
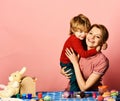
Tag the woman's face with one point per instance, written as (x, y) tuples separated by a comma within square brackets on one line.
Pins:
[(94, 38)]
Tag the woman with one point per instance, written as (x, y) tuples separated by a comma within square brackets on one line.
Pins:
[(89, 71), (79, 26)]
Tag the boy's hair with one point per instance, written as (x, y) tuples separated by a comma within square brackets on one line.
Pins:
[(79, 23), (104, 31)]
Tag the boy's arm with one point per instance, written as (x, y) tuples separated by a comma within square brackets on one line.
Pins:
[(78, 47)]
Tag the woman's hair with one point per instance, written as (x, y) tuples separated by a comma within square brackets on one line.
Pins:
[(104, 31), (79, 23)]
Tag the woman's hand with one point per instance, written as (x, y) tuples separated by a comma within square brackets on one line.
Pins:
[(67, 73), (71, 55)]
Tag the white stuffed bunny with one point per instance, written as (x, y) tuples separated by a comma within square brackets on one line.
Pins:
[(13, 85)]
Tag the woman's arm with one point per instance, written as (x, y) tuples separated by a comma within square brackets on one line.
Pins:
[(83, 85)]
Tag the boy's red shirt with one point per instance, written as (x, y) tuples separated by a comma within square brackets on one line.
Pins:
[(76, 44)]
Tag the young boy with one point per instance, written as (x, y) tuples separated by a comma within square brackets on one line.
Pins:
[(79, 26)]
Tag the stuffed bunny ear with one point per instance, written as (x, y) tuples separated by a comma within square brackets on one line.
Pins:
[(23, 70)]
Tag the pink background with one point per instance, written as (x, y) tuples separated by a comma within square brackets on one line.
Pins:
[(32, 34)]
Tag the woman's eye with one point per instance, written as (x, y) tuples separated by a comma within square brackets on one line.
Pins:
[(97, 36)]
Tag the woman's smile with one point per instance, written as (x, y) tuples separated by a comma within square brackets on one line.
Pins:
[(93, 38)]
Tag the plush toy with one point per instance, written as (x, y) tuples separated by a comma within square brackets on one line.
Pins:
[(28, 86), (13, 85)]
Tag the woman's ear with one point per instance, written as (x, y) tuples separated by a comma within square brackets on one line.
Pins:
[(104, 46)]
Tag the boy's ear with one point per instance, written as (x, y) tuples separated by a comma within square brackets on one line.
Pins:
[(72, 31)]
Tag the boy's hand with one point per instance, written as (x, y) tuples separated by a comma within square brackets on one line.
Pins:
[(98, 48), (104, 46)]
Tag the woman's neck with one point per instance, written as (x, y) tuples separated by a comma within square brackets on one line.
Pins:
[(88, 48)]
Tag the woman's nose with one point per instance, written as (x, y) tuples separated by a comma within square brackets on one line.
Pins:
[(92, 36)]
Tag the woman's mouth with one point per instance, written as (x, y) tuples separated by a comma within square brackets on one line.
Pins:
[(91, 40)]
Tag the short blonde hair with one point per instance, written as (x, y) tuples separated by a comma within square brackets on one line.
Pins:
[(79, 22)]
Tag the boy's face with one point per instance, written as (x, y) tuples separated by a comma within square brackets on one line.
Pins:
[(80, 34)]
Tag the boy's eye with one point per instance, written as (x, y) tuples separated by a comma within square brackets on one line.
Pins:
[(80, 31)]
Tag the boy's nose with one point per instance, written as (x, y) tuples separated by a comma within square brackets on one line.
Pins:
[(82, 33)]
